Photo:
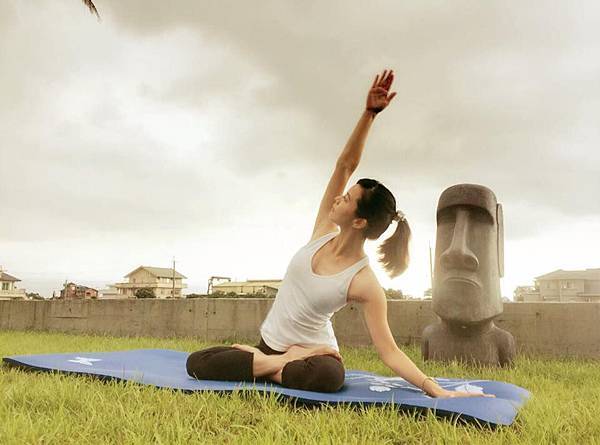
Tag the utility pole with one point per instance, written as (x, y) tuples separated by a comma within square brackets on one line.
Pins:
[(173, 291), (430, 266)]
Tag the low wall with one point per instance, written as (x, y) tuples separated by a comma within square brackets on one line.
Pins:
[(553, 329)]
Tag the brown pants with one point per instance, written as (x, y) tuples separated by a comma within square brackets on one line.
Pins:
[(323, 373)]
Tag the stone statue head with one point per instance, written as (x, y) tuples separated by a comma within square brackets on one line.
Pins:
[(469, 255)]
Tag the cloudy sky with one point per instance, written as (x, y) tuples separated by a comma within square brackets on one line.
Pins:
[(207, 131)]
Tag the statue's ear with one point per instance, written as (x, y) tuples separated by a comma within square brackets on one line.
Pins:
[(500, 238)]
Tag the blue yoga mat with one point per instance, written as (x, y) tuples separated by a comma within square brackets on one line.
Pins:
[(165, 368)]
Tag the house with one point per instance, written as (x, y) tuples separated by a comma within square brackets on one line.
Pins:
[(8, 288), (267, 287), (568, 285), (73, 291), (526, 294), (157, 279), (109, 293)]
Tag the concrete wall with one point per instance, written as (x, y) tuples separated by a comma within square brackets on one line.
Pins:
[(552, 329)]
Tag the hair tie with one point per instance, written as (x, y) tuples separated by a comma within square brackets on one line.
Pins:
[(399, 216)]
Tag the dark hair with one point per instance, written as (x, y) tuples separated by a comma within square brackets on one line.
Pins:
[(378, 206)]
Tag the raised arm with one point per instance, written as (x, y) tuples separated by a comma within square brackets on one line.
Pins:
[(375, 312), (377, 99)]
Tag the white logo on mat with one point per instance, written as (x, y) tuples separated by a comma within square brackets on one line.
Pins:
[(85, 360), (467, 387), (379, 388)]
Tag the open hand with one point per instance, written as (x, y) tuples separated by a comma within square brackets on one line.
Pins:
[(452, 394), (378, 97)]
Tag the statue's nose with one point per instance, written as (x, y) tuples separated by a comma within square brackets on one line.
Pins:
[(458, 255)]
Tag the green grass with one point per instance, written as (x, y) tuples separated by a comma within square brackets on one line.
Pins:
[(58, 409)]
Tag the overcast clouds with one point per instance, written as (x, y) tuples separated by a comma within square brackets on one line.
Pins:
[(207, 130)]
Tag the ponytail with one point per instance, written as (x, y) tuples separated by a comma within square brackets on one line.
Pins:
[(378, 206), (394, 254)]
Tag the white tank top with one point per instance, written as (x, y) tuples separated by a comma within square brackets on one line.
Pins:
[(305, 302)]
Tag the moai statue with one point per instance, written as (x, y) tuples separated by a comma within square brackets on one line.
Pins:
[(469, 261)]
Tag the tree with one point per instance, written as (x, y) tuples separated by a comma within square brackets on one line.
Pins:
[(394, 294), (145, 292)]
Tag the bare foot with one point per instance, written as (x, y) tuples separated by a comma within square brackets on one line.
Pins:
[(297, 352), (263, 364), (246, 348)]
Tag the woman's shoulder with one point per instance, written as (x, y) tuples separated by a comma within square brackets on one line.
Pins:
[(363, 285)]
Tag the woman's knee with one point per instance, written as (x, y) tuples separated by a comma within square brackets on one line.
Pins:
[(221, 363), (200, 364), (322, 373)]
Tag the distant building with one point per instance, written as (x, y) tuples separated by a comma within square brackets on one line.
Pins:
[(158, 279), (73, 291), (526, 293), (267, 287), (8, 288), (567, 285), (110, 293)]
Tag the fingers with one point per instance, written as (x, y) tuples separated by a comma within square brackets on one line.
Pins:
[(454, 394), (375, 81), (389, 80), (470, 394), (383, 77), (385, 80)]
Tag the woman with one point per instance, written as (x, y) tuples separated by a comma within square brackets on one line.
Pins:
[(298, 348)]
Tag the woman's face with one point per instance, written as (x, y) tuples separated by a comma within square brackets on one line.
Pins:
[(344, 206)]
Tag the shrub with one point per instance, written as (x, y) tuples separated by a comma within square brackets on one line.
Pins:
[(394, 294), (145, 292), (197, 296)]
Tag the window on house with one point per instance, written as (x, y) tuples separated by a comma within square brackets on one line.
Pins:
[(566, 284), (5, 286)]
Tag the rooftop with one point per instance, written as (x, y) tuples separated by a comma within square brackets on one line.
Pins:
[(273, 283), (587, 274), (6, 277), (160, 272)]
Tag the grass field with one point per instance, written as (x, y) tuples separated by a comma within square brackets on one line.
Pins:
[(57, 409)]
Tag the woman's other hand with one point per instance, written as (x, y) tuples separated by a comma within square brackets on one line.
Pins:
[(379, 96)]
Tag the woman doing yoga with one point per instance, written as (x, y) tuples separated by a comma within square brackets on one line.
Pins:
[(298, 348)]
